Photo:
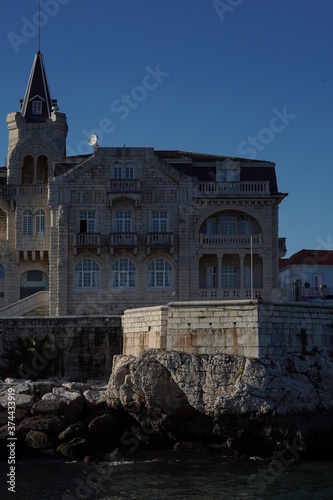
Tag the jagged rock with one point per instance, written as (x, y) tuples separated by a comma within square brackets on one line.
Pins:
[(70, 403), (255, 404), (104, 430), (49, 424), (77, 430), (42, 387), (54, 405), (94, 400), (24, 401), (77, 448), (76, 386), (39, 440)]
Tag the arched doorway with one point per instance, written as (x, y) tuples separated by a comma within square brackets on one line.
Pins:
[(32, 282)]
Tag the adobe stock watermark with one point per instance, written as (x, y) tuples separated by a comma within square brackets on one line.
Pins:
[(122, 108), (267, 475), (30, 27), (226, 6), (265, 136)]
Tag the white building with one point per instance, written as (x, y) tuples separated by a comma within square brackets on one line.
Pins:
[(128, 227), (307, 274)]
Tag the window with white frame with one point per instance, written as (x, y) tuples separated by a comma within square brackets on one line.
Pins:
[(129, 173), (228, 224), (245, 224), (37, 107), (117, 170), (123, 274), (27, 223), (123, 221), (159, 274), (87, 221), (159, 221), (87, 274), (40, 223), (211, 277), (211, 225), (123, 172), (229, 277)]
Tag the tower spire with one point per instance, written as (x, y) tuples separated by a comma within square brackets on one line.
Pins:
[(39, 28)]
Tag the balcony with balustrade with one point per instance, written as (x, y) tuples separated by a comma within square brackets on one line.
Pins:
[(89, 241), (213, 241), (23, 190), (129, 188), (119, 241), (232, 189), (160, 241)]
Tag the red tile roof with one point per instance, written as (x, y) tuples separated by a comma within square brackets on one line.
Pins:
[(309, 258)]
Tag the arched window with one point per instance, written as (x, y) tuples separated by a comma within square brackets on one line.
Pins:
[(123, 274), (27, 222), (42, 170), (40, 223), (87, 274), (32, 282), (28, 170), (159, 274)]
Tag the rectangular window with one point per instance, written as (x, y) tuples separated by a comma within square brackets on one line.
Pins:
[(87, 222), (129, 173), (37, 107), (211, 225), (229, 277), (228, 224), (159, 221), (123, 222), (245, 224), (27, 223), (117, 172), (211, 277)]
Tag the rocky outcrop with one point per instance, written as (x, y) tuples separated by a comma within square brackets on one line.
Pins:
[(251, 406), (58, 417), (194, 404)]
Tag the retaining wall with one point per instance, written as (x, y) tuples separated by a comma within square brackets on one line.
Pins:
[(81, 348), (247, 328)]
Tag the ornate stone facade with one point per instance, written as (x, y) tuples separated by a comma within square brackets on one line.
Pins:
[(129, 227)]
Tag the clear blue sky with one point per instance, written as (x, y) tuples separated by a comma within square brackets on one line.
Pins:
[(226, 71)]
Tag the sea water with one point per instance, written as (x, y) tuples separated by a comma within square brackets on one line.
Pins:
[(170, 476)]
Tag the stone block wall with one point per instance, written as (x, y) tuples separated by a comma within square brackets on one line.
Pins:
[(246, 328), (193, 327), (81, 348), (294, 328), (210, 327), (145, 328)]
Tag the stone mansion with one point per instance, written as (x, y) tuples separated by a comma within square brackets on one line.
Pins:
[(127, 227)]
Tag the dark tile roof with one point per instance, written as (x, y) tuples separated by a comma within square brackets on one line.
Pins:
[(250, 170), (37, 89), (308, 258)]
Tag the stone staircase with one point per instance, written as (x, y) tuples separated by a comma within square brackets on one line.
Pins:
[(34, 305)]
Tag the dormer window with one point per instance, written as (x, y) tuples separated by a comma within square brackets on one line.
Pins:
[(228, 171), (37, 107)]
